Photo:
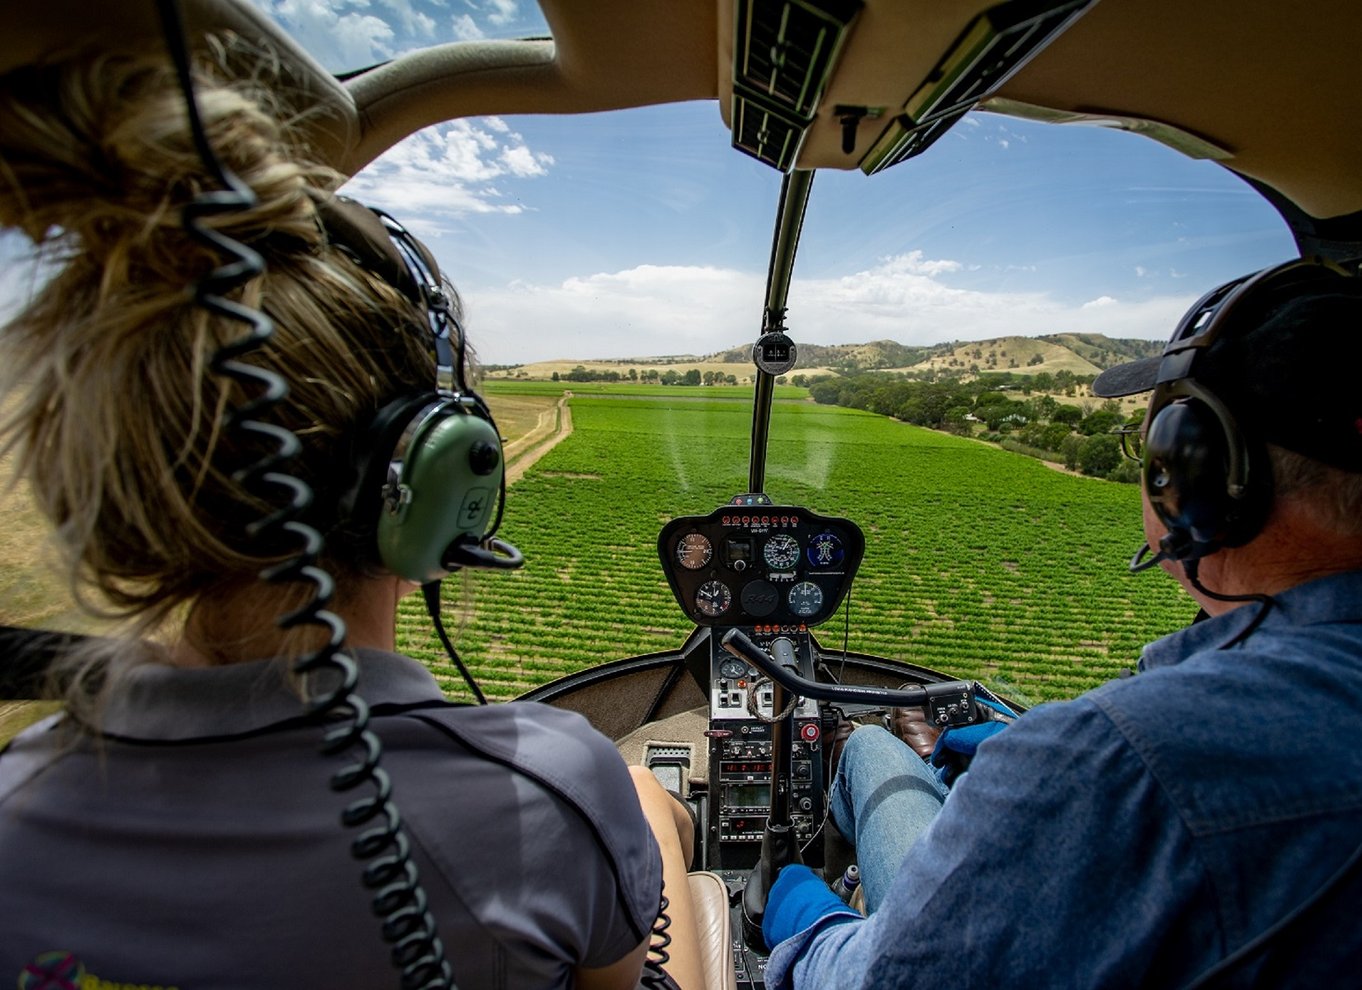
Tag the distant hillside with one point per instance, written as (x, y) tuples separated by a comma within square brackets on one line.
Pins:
[(874, 356), (1105, 351), (1082, 354), (1020, 355)]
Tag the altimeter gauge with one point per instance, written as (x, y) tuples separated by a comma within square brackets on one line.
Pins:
[(781, 552), (806, 599), (713, 598), (694, 551)]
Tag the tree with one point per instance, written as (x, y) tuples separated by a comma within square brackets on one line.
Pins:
[(691, 377), (1102, 421), (555, 376), (1069, 449), (670, 377), (1100, 455), (1066, 414)]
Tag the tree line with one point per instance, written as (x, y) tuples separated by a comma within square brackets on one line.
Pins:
[(692, 376), (1005, 409)]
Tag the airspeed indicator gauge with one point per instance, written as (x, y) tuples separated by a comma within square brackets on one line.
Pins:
[(713, 598), (781, 552), (694, 551), (806, 598)]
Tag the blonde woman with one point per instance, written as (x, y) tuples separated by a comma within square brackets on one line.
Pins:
[(173, 826)]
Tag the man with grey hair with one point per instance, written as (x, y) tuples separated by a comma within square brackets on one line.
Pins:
[(1195, 825)]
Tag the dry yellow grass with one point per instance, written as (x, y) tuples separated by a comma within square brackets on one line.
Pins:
[(1010, 354), (544, 370), (517, 415), (32, 592)]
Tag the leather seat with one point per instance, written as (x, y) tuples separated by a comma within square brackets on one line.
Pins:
[(713, 921)]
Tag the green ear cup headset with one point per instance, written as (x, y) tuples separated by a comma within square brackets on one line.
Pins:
[(429, 478)]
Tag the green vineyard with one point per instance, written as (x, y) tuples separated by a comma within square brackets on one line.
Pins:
[(980, 563)]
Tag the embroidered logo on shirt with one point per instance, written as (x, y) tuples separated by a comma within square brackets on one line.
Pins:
[(60, 970)]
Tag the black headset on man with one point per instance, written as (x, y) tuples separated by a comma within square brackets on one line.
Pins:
[(1205, 470)]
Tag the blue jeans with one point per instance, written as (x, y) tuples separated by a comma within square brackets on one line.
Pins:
[(883, 797)]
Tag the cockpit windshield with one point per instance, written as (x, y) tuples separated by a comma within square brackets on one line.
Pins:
[(613, 268), (348, 36)]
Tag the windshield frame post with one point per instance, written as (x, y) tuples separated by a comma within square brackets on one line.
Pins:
[(794, 199)]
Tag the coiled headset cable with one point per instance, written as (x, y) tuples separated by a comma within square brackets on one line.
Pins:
[(399, 900)]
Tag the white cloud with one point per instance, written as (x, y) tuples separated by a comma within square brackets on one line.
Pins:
[(413, 21), (339, 40), (520, 160), (657, 309), (637, 312), (466, 29), (1141, 271), (449, 170), (503, 11)]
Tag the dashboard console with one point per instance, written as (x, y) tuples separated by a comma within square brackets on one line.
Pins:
[(774, 572)]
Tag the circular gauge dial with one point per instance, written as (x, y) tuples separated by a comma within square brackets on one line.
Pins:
[(694, 551), (826, 550), (781, 552), (733, 669), (713, 598), (806, 598)]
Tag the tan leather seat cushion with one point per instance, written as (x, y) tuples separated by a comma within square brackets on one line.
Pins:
[(713, 919)]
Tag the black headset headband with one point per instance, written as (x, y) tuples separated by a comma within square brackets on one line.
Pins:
[(381, 245)]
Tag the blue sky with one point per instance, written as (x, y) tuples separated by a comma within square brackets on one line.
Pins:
[(642, 232)]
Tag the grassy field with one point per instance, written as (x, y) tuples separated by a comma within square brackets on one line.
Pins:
[(979, 562)]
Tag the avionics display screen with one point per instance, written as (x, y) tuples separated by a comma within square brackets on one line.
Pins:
[(748, 795)]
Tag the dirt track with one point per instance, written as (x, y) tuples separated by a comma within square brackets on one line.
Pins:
[(553, 427)]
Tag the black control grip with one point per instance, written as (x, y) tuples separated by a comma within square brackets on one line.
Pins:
[(947, 703)]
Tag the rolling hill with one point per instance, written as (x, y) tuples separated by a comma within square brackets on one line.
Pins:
[(1079, 353)]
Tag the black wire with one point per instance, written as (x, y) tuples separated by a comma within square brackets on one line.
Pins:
[(431, 591), (1265, 602), (401, 903), (654, 977), (846, 631)]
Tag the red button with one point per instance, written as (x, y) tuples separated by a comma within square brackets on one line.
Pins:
[(810, 732)]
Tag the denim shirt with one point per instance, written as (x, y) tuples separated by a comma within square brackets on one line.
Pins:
[(1138, 835)]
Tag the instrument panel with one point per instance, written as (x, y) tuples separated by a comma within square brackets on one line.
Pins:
[(760, 565)]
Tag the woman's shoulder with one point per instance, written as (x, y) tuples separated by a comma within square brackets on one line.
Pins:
[(558, 748)]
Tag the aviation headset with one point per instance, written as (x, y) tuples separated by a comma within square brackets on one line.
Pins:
[(1206, 477), (428, 480)]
